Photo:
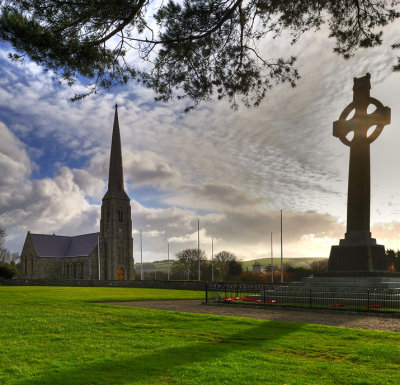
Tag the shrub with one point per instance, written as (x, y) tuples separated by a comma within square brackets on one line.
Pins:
[(8, 271), (297, 273)]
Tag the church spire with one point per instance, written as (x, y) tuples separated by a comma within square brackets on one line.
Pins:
[(116, 175), (115, 253)]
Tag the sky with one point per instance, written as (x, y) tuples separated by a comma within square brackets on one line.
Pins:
[(231, 170)]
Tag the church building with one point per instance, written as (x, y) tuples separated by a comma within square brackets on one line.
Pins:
[(107, 255)]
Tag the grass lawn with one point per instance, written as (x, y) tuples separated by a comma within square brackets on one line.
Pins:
[(60, 335)]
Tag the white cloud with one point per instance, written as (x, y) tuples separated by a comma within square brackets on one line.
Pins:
[(14, 161), (213, 197), (234, 171), (44, 205)]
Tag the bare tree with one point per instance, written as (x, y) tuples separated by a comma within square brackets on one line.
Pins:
[(187, 264), (226, 265), (3, 235), (6, 256)]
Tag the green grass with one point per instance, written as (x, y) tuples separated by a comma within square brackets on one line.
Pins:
[(54, 335)]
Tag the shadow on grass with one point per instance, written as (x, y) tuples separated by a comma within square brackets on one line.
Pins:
[(161, 366)]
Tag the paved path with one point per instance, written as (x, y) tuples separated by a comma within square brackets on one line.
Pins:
[(385, 322)]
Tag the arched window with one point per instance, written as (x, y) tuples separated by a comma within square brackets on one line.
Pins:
[(120, 215)]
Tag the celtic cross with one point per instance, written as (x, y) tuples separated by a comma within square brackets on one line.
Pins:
[(359, 126)]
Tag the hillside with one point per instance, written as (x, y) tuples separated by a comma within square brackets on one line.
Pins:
[(296, 262)]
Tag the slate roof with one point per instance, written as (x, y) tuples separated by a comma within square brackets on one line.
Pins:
[(59, 246)]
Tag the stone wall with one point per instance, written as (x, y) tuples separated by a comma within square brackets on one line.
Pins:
[(177, 285)]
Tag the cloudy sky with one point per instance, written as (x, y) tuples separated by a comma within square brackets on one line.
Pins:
[(234, 171)]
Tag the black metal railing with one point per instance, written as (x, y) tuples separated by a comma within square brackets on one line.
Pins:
[(377, 300)]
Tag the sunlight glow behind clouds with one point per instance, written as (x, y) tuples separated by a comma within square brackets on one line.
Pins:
[(232, 170)]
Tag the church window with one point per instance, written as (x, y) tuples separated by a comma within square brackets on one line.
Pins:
[(120, 215), (108, 216)]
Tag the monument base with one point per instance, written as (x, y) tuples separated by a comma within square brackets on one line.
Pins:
[(350, 281), (358, 258)]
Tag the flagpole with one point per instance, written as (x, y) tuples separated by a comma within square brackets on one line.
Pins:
[(141, 257), (272, 263), (212, 259), (198, 244), (281, 249)]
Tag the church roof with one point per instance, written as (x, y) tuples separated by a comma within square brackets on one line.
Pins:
[(58, 246)]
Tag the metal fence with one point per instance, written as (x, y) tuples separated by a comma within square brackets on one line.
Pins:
[(254, 294)]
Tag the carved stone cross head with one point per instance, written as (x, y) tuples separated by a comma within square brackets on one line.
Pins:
[(361, 121)]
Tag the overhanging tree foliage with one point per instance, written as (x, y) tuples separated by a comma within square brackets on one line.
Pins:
[(191, 48)]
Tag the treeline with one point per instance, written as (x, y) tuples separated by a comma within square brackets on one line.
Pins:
[(297, 273), (393, 260), (8, 260), (226, 266)]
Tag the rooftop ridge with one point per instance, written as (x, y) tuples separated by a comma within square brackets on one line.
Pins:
[(66, 236)]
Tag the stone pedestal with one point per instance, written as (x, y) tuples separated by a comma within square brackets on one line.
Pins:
[(358, 258), (358, 252), (350, 281)]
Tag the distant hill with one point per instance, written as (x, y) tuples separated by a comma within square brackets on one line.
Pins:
[(296, 262)]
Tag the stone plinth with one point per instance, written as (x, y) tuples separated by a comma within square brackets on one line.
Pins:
[(343, 280), (358, 254)]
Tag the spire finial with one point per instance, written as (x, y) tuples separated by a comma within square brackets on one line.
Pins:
[(116, 105)]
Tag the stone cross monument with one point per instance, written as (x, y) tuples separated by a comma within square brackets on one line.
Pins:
[(358, 252)]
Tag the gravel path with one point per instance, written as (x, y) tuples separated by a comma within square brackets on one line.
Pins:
[(387, 322)]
